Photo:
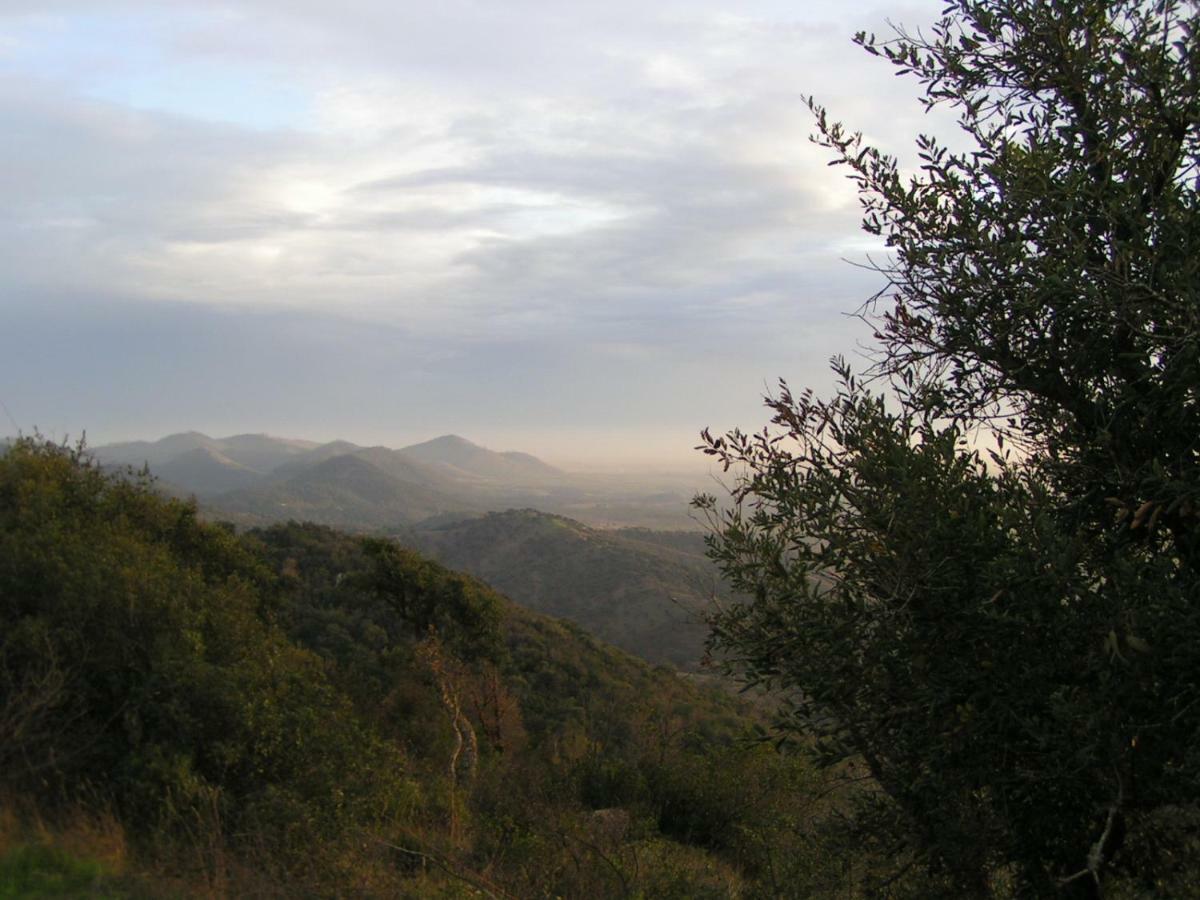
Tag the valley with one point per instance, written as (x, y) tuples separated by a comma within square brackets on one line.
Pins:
[(255, 479), (617, 555)]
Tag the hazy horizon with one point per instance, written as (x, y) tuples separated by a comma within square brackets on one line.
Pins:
[(544, 446), (582, 232)]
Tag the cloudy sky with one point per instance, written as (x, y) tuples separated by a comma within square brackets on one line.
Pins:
[(582, 229)]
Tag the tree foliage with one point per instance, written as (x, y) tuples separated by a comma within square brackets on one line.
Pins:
[(977, 570), (136, 645)]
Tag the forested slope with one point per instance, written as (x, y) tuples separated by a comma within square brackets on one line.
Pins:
[(644, 591), (302, 712)]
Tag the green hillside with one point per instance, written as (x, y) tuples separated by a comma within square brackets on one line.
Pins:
[(300, 712), (640, 590)]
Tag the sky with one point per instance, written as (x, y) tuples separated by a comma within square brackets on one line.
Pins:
[(585, 230)]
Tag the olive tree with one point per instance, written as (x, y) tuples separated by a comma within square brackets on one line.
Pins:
[(975, 570)]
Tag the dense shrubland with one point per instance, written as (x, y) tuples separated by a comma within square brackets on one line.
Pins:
[(190, 711)]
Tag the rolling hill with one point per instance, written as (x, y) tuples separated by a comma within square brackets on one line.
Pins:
[(346, 491), (259, 453), (641, 590), (460, 459), (206, 471), (208, 466), (633, 588), (252, 478)]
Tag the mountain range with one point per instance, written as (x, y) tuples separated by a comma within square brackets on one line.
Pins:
[(257, 479), (474, 510), (256, 452), (205, 463)]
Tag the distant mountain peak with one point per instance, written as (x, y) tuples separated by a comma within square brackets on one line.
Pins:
[(470, 460), (448, 440), (188, 439)]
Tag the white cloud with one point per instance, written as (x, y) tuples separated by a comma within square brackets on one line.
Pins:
[(625, 181)]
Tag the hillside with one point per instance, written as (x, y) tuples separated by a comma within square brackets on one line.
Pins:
[(347, 491), (249, 479), (258, 453), (311, 457), (642, 591), (154, 453), (298, 712), (206, 471), (461, 459), (404, 468), (210, 466)]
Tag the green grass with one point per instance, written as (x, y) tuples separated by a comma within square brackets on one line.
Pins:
[(41, 871)]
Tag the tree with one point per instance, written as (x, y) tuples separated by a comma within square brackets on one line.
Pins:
[(976, 569)]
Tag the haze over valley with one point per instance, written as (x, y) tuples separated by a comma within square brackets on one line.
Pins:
[(256, 479), (621, 556)]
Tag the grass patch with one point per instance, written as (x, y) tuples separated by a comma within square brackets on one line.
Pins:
[(32, 870)]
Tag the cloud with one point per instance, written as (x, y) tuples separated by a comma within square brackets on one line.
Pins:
[(123, 369), (513, 187)]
